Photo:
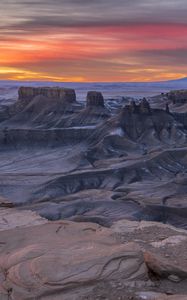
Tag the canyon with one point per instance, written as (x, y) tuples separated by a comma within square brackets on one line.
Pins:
[(93, 196)]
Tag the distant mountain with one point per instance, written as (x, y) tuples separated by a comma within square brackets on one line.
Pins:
[(8, 88), (174, 82)]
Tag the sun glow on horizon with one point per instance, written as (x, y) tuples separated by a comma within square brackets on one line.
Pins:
[(121, 45)]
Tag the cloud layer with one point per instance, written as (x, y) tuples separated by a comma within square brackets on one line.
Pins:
[(99, 40)]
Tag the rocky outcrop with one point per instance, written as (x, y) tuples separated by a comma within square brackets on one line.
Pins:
[(94, 99), (95, 112), (79, 261), (178, 96), (65, 260), (13, 218), (165, 256), (142, 124)]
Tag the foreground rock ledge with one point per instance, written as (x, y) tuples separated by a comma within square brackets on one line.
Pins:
[(64, 260)]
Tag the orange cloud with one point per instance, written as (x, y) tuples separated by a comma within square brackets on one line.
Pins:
[(107, 53)]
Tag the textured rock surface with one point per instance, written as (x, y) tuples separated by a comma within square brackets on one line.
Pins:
[(64, 260), (158, 296), (76, 261), (94, 113), (164, 254), (109, 164), (13, 218)]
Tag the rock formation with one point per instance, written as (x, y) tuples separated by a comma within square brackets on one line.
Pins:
[(41, 107), (178, 96), (94, 99), (95, 112), (27, 94), (140, 123), (13, 218), (55, 93), (82, 168), (79, 261), (65, 260)]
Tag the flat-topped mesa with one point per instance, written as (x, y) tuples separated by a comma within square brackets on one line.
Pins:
[(26, 95), (178, 96), (94, 99), (65, 94)]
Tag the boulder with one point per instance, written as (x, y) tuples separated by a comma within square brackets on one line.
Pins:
[(164, 266)]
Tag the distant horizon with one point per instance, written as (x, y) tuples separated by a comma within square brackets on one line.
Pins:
[(46, 81)]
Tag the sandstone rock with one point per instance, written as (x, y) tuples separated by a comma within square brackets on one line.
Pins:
[(163, 266), (94, 99), (27, 94), (94, 112), (127, 226), (64, 260), (13, 218), (171, 241)]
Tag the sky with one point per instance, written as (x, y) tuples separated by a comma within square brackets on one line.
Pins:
[(93, 41)]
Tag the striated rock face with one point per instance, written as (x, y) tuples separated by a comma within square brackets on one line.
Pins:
[(95, 99), (64, 260), (27, 94), (144, 124), (56, 92), (94, 112), (81, 261)]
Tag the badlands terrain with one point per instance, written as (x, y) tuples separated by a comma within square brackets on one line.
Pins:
[(93, 196)]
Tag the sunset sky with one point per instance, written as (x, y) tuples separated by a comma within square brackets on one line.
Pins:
[(96, 40)]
